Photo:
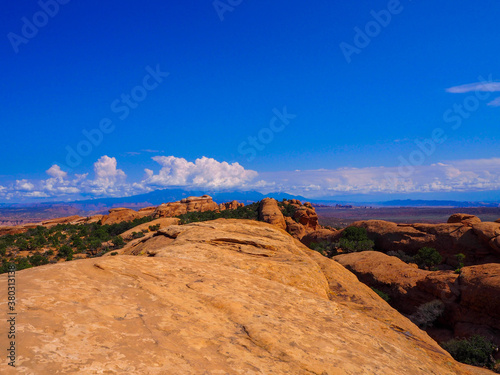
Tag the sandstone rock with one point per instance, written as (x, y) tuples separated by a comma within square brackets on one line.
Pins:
[(230, 205), (224, 297), (490, 233), (61, 220), (448, 239), (320, 235), (471, 299), (307, 217), (464, 219), (296, 230), (147, 211), (162, 222), (190, 204), (270, 212), (117, 215)]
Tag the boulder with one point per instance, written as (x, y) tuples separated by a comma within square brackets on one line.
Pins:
[(296, 230), (230, 205), (228, 297), (466, 219), (190, 204), (489, 233), (270, 212), (307, 217), (117, 215)]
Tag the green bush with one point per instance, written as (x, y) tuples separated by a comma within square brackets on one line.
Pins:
[(249, 212), (401, 255), (382, 295), (461, 259), (326, 248), (428, 257), (137, 235), (355, 234), (154, 228), (38, 259), (118, 242), (65, 252), (476, 351)]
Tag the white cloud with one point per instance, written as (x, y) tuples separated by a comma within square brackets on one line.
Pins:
[(108, 179), (204, 172), (477, 86), (24, 185), (56, 172), (495, 102)]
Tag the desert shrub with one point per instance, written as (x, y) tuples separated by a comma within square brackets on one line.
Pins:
[(350, 246), (401, 255), (461, 259), (427, 314), (21, 263), (114, 253), (137, 234), (428, 257), (38, 259), (355, 234), (249, 212), (155, 227), (65, 252), (476, 351), (118, 242), (3, 248), (287, 209), (382, 295), (326, 248), (22, 244)]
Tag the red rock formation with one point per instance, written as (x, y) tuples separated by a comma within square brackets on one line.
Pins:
[(117, 215), (471, 299), (190, 204), (464, 219), (230, 205), (269, 212)]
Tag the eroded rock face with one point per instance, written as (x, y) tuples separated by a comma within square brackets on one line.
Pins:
[(233, 205), (464, 219), (160, 223), (448, 239), (269, 212), (320, 235), (117, 215), (228, 297), (190, 204), (471, 298)]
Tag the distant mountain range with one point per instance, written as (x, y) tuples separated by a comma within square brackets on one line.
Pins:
[(45, 210)]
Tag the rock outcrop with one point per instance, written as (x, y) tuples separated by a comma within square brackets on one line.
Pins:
[(477, 241), (190, 204), (233, 205), (269, 212), (464, 219), (145, 228), (471, 299), (117, 215), (223, 297)]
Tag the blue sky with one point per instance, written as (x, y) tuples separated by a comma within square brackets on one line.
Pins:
[(324, 122)]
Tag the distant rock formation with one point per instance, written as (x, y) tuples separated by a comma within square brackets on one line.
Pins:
[(190, 204), (269, 212), (224, 296), (471, 299)]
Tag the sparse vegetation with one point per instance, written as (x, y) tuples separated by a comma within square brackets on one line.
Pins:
[(461, 259), (48, 245), (402, 255), (287, 209), (428, 313), (354, 239), (476, 351), (382, 295), (247, 212), (428, 257)]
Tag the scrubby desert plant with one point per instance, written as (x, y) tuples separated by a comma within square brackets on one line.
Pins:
[(428, 257), (427, 314), (382, 295), (476, 351)]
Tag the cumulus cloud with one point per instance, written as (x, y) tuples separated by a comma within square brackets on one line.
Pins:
[(204, 172), (456, 176), (24, 185), (108, 178), (56, 172)]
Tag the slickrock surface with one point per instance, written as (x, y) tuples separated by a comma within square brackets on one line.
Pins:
[(117, 215), (163, 223), (222, 297)]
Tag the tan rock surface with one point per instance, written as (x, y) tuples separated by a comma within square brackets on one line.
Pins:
[(464, 219), (225, 297), (190, 204), (269, 212), (162, 222), (61, 220), (117, 215)]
